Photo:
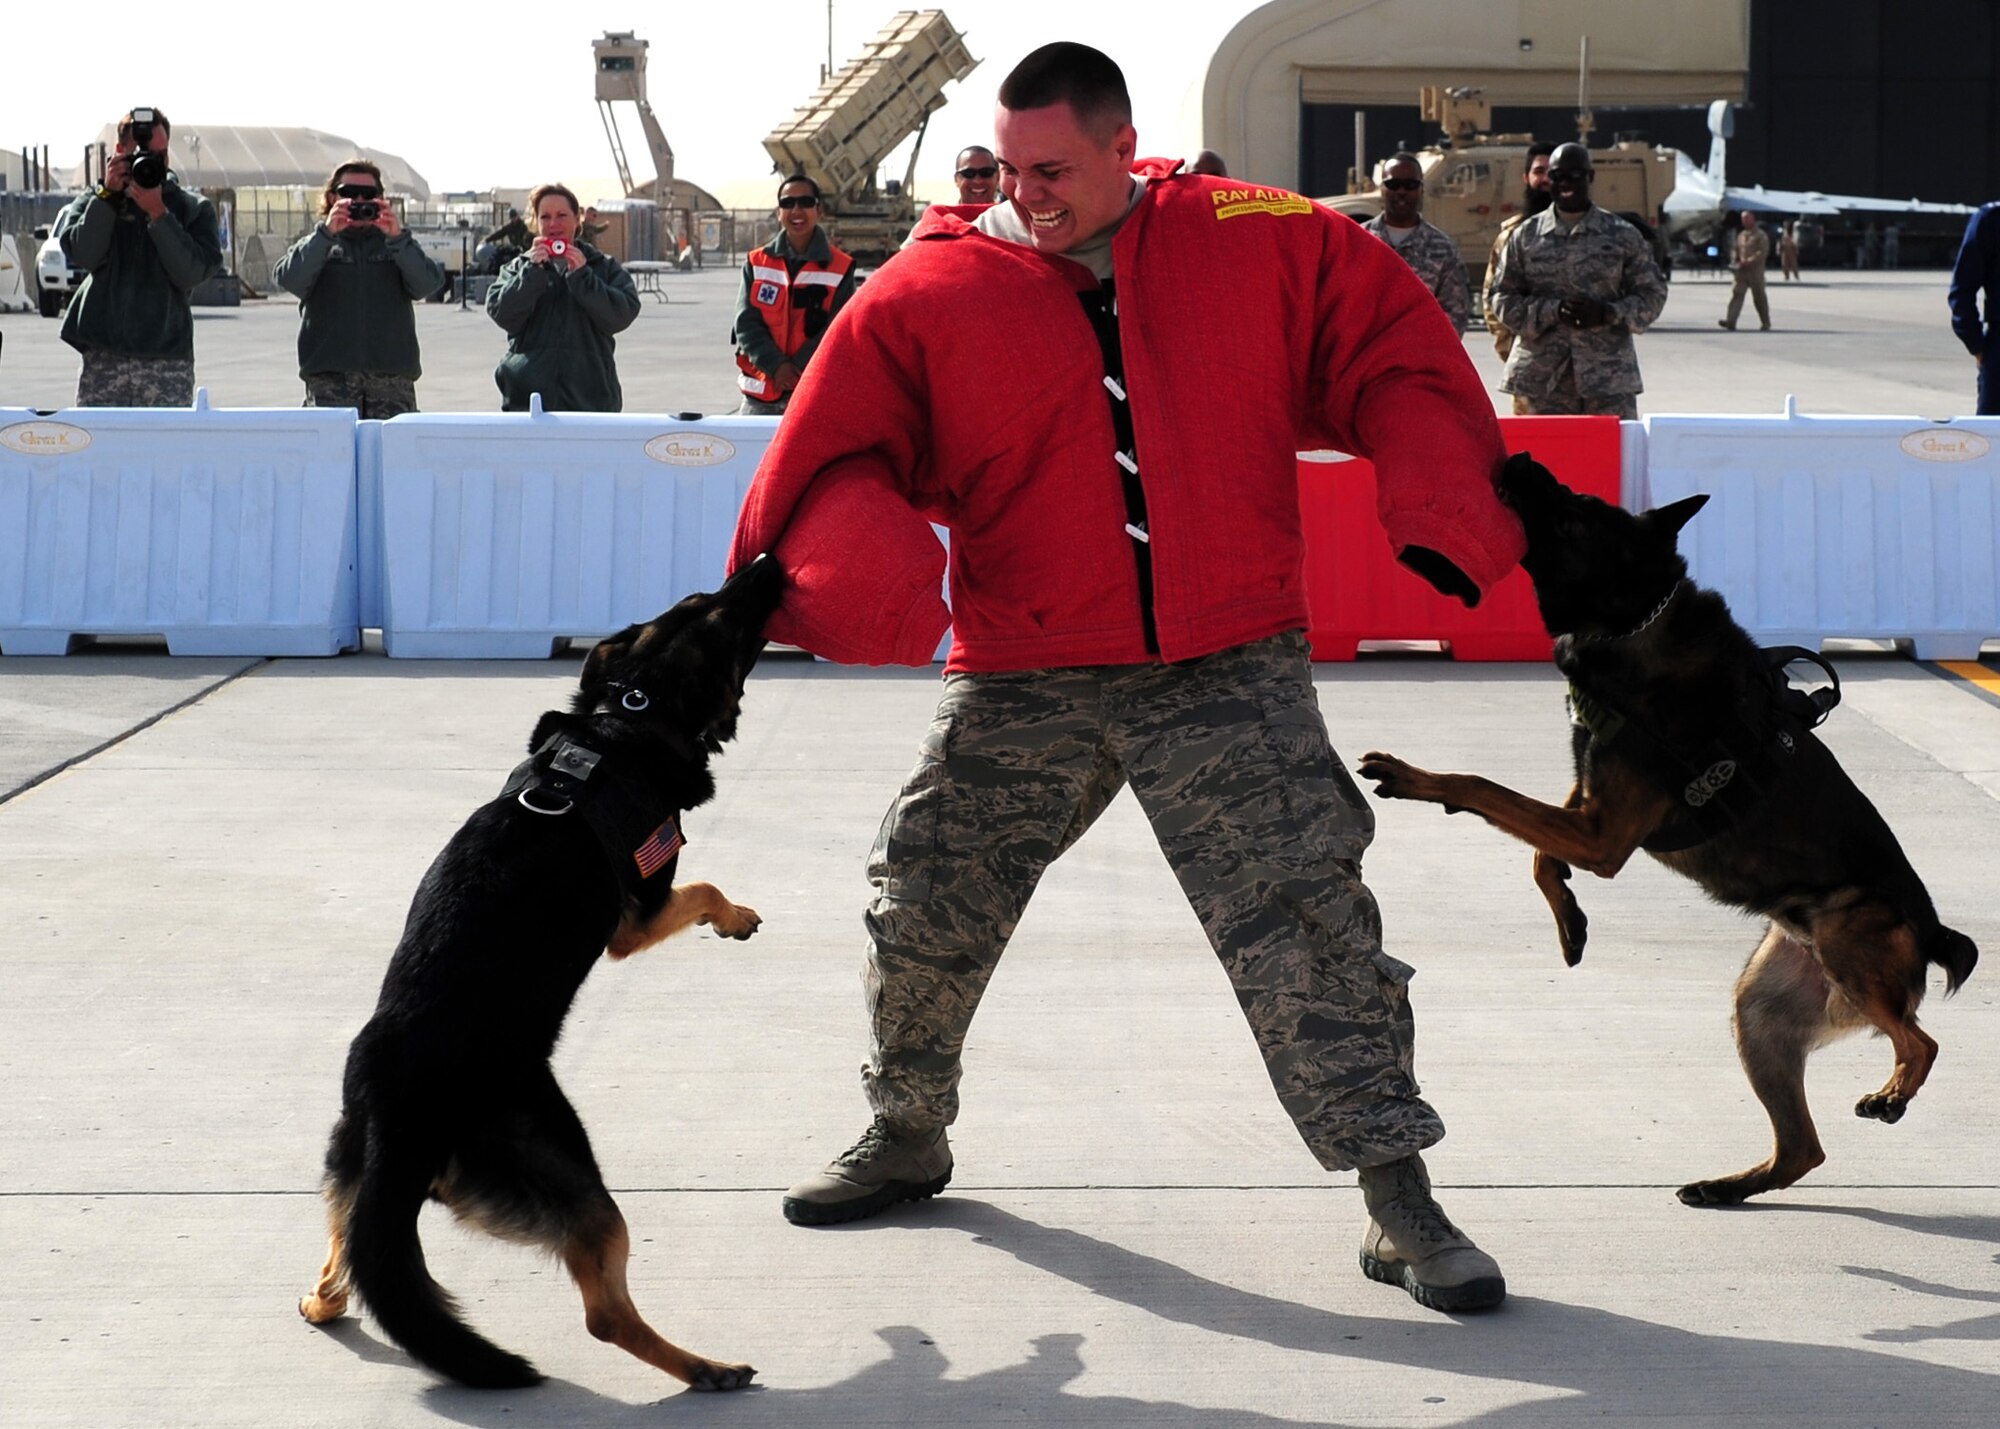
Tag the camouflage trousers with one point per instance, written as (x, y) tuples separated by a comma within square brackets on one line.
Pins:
[(374, 397), (1230, 761), (1565, 401), (117, 379)]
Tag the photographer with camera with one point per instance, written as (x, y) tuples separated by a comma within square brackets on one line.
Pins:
[(356, 276), (792, 287), (146, 245), (561, 303)]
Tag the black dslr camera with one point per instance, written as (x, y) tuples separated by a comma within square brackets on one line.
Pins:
[(364, 210), (147, 169)]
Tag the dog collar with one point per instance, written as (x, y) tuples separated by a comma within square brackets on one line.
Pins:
[(1641, 628)]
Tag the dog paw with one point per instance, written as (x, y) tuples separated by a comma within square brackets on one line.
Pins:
[(1882, 1106), (708, 1375), (739, 922), (322, 1309), (1573, 930), (1393, 778), (1724, 1191)]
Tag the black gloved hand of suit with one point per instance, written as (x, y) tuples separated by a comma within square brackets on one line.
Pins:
[(1442, 574)]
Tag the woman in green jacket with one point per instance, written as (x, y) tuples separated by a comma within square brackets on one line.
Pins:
[(561, 302)]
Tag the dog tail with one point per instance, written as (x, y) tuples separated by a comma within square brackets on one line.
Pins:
[(1955, 953), (386, 1261)]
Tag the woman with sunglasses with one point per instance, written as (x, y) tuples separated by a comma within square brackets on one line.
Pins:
[(356, 276), (792, 287), (562, 304)]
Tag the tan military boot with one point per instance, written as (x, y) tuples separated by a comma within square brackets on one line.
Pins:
[(1411, 1243), (885, 1166)]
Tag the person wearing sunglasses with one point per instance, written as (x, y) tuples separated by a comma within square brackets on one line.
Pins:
[(356, 276), (562, 304), (1431, 254), (145, 244), (977, 175), (1575, 285), (792, 287)]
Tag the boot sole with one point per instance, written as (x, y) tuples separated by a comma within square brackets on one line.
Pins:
[(833, 1213), (1481, 1294)]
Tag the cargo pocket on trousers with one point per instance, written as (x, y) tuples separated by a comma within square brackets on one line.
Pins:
[(1329, 816), (905, 855)]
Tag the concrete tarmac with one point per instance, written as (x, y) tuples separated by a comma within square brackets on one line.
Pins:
[(208, 861)]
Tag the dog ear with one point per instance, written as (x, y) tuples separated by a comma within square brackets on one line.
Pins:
[(1524, 478), (1672, 517)]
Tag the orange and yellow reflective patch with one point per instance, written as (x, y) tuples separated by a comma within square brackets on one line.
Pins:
[(1234, 203)]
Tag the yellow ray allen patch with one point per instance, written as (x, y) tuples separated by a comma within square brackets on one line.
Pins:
[(1234, 203)]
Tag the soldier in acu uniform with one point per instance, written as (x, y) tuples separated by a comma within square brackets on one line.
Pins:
[(1575, 285), (1431, 254)]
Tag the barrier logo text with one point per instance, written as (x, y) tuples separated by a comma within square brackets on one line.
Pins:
[(44, 438), (690, 449), (1946, 444), (1234, 203)]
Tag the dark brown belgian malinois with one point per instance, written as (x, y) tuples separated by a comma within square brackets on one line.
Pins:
[(1691, 744)]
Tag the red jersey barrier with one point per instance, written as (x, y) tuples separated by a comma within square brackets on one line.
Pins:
[(1356, 591)]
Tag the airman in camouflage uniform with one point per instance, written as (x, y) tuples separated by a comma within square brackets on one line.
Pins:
[(1575, 284), (1753, 251), (1431, 255), (1535, 197)]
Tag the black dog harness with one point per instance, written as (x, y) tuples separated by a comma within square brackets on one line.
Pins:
[(639, 832), (1724, 779)]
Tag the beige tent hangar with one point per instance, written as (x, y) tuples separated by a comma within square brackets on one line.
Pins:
[(223, 156)]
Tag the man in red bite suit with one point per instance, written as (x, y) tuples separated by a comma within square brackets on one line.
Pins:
[(1128, 603)]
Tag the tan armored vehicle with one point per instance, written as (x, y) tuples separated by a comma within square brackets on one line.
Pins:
[(1473, 180)]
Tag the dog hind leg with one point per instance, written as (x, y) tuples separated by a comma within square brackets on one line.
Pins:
[(597, 1255), (1784, 1010), (1873, 956), (327, 1300)]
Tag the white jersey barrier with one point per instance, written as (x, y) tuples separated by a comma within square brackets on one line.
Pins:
[(503, 535), (1872, 527), (228, 532)]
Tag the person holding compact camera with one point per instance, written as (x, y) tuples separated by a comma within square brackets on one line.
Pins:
[(562, 304), (792, 287), (145, 244), (356, 276)]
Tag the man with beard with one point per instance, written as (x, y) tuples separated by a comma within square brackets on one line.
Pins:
[(1575, 284), (1534, 198)]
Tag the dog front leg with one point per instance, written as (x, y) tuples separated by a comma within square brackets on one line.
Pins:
[(1552, 877), (1597, 835), (687, 905)]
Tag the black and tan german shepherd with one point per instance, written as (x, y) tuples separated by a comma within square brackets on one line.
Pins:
[(448, 1093), (1691, 743)]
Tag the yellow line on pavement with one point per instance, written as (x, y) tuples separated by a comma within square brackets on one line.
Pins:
[(1987, 679)]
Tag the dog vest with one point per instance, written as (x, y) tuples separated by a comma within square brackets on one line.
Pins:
[(1730, 775), (640, 835)]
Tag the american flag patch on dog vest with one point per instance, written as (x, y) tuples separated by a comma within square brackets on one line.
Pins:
[(660, 846)]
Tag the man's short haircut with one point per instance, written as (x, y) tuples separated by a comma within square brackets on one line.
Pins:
[(972, 149), (352, 166), (1402, 156), (159, 122), (797, 179), (1540, 149), (1087, 80), (552, 191)]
